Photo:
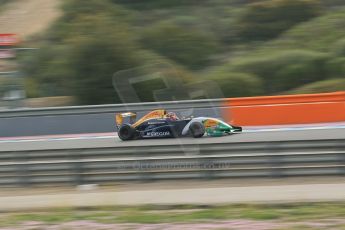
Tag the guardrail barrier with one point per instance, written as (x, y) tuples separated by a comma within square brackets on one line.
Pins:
[(144, 163)]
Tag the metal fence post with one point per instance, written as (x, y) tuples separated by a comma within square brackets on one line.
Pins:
[(23, 169), (341, 157), (78, 168), (276, 161)]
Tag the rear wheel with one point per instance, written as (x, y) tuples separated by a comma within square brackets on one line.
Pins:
[(197, 129), (126, 132)]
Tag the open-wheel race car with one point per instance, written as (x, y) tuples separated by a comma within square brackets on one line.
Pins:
[(160, 123)]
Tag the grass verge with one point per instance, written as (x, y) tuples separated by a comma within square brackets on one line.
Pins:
[(179, 214)]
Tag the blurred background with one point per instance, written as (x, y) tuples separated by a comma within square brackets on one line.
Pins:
[(64, 168), (249, 48)]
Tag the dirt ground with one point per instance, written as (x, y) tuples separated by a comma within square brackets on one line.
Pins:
[(209, 225), (28, 17)]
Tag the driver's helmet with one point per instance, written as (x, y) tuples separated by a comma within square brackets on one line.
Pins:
[(172, 116)]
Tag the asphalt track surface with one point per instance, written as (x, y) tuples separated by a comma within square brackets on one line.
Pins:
[(99, 140)]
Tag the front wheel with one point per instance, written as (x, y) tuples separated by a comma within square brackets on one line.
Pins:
[(197, 129), (126, 132)]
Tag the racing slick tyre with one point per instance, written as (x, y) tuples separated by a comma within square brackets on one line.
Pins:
[(197, 129), (126, 132)]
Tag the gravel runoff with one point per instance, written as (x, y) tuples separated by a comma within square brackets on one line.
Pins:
[(232, 224)]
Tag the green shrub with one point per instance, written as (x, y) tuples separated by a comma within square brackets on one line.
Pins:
[(237, 84), (285, 70), (2, 2), (160, 80), (83, 52), (73, 9), (95, 38), (321, 87), (188, 47), (333, 3), (94, 61), (153, 4), (336, 67), (318, 34), (267, 19), (82, 18), (339, 48), (47, 71)]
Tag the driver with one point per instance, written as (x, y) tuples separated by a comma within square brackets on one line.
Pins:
[(172, 116)]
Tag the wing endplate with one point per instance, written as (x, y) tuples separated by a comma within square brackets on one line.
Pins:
[(119, 117)]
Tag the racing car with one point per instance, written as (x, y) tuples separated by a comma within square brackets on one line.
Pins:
[(160, 123)]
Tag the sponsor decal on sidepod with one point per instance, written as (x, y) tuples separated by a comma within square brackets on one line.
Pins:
[(158, 134)]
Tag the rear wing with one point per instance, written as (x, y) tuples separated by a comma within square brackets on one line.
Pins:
[(120, 117)]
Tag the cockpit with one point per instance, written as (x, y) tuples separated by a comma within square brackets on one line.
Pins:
[(172, 116)]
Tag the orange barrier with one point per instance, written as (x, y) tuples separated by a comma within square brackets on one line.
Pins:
[(287, 109)]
